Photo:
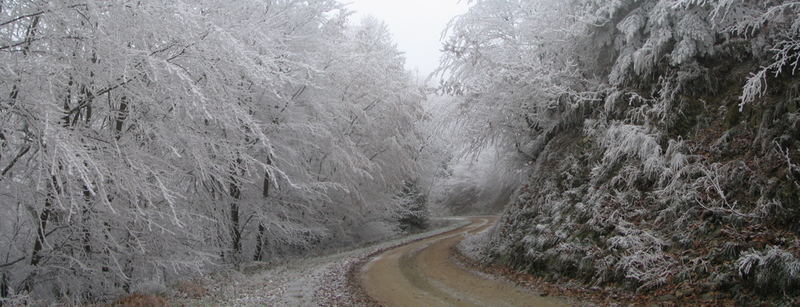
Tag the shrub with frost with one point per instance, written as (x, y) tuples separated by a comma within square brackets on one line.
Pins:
[(771, 269)]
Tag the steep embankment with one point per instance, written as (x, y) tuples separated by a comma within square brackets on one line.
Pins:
[(722, 223), (658, 172)]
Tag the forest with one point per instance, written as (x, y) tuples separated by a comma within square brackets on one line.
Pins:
[(145, 139), (651, 146)]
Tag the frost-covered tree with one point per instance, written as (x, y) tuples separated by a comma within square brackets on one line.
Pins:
[(144, 140), (507, 59)]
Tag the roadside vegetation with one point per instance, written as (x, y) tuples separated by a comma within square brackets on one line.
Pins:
[(661, 139)]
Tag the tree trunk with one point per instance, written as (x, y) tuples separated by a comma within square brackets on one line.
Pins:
[(122, 114), (4, 288), (41, 227), (44, 218), (258, 256), (29, 36), (86, 212), (236, 233)]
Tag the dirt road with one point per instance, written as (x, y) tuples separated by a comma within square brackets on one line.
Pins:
[(422, 274)]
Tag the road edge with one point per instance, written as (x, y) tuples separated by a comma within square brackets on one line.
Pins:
[(575, 294), (358, 295)]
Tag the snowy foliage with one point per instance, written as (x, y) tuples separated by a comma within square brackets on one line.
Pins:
[(650, 128), (774, 267), (152, 139)]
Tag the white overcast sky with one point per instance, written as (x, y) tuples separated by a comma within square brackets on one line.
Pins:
[(416, 26)]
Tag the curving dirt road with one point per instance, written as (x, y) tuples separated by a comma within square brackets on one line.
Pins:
[(422, 274)]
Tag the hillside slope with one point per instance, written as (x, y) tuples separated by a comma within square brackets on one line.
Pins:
[(663, 139)]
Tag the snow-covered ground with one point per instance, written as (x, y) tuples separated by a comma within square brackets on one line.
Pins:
[(301, 282)]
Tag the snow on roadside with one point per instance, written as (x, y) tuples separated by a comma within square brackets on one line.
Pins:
[(317, 281), (474, 245)]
